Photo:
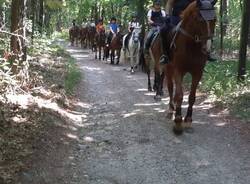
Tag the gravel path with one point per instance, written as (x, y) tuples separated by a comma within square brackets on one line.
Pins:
[(125, 137)]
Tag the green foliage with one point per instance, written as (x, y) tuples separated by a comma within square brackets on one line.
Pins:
[(240, 106), (220, 80)]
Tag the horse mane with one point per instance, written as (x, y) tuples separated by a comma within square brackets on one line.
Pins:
[(190, 11)]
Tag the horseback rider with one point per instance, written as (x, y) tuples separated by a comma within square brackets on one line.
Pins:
[(155, 19), (174, 9), (114, 29), (132, 24), (100, 27)]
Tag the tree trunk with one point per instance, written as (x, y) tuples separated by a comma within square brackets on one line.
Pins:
[(41, 14), (243, 41), (33, 17), (14, 24), (23, 15)]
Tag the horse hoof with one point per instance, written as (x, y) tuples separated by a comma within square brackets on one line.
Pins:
[(187, 125), (178, 119), (178, 129), (188, 120), (150, 89), (157, 98)]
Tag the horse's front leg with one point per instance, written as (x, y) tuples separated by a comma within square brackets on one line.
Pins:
[(191, 100), (178, 98), (170, 86)]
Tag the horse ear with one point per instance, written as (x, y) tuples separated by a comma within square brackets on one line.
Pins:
[(214, 2), (198, 3)]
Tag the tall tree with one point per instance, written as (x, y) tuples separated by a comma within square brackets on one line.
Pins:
[(244, 38), (41, 14)]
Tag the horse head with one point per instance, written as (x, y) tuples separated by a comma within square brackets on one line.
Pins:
[(199, 18), (136, 34)]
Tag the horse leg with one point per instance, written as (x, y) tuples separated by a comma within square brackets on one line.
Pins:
[(161, 84), (100, 52), (157, 86), (178, 98), (170, 86), (191, 100), (118, 56), (112, 55), (149, 81)]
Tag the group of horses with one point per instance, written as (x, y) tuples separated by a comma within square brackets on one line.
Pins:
[(188, 54), (96, 41)]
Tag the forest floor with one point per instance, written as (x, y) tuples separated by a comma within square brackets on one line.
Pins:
[(113, 132)]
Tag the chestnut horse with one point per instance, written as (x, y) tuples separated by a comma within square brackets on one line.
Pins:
[(100, 39), (115, 47), (189, 55)]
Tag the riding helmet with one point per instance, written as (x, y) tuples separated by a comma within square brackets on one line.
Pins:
[(157, 2)]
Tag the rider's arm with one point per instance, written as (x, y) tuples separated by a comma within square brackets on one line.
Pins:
[(129, 26), (149, 17), (169, 7), (112, 30)]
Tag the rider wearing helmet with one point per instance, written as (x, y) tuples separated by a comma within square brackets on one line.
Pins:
[(100, 27), (132, 24), (174, 9), (114, 29), (155, 19)]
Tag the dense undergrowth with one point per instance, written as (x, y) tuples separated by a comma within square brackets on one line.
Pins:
[(220, 81)]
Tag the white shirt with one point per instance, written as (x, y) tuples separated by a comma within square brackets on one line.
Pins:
[(134, 24), (150, 13)]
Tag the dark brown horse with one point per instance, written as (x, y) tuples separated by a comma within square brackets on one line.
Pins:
[(91, 37), (189, 55), (115, 48), (74, 35), (100, 40), (83, 36)]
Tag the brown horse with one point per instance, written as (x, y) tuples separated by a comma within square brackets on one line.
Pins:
[(189, 55), (74, 35), (151, 60), (83, 36), (115, 47), (91, 37), (100, 39)]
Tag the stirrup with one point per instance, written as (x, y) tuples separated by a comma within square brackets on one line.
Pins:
[(164, 60)]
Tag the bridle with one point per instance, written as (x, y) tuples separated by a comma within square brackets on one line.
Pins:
[(198, 38)]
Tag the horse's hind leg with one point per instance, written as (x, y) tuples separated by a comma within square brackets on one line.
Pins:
[(170, 86), (100, 52), (191, 100), (118, 56), (149, 81), (157, 86), (178, 98)]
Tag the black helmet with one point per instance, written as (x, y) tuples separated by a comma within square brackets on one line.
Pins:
[(113, 18), (134, 15), (158, 2)]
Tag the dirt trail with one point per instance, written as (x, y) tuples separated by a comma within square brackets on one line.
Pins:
[(125, 138)]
